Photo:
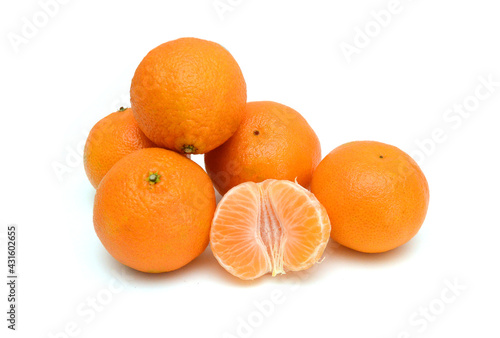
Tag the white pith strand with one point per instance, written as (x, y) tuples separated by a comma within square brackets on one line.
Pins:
[(270, 231)]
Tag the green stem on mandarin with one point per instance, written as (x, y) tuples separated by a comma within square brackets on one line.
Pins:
[(153, 178), (189, 149)]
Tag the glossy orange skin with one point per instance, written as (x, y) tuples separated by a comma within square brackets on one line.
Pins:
[(375, 194), (111, 139), (160, 226), (188, 95), (272, 142)]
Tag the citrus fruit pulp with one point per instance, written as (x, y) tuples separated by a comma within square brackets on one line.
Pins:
[(273, 226)]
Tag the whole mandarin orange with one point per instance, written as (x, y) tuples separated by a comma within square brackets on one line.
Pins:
[(188, 95), (272, 142), (375, 194), (111, 139), (152, 211)]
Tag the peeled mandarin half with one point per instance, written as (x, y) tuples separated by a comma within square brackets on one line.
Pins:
[(273, 226)]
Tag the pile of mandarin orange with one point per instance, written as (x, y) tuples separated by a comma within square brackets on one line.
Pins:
[(155, 209)]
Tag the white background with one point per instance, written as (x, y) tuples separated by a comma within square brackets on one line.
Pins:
[(77, 68)]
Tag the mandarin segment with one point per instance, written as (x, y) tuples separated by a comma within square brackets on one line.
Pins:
[(234, 235), (304, 237), (269, 227)]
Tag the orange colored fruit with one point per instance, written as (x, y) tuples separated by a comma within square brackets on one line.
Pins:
[(272, 142), (375, 194), (188, 95), (273, 226), (152, 211), (111, 139)]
